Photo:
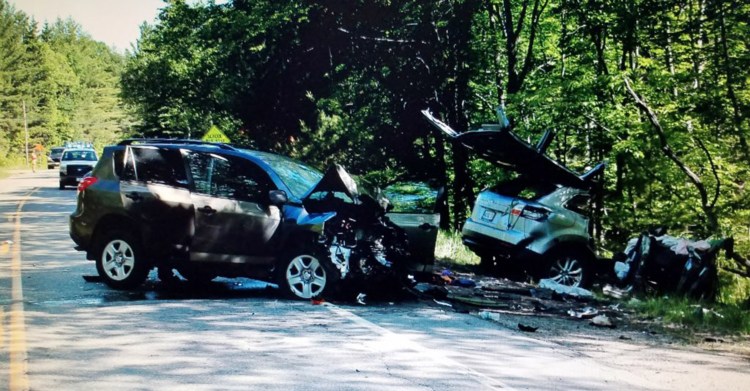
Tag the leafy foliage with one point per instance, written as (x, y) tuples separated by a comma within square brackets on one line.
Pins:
[(659, 89), (68, 83)]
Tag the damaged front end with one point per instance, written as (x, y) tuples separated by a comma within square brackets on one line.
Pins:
[(361, 240)]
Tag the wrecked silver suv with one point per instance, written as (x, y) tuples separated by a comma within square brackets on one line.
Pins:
[(536, 223)]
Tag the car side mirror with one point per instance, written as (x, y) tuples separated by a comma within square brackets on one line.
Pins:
[(277, 197)]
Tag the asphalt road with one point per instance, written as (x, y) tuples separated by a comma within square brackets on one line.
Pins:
[(59, 332)]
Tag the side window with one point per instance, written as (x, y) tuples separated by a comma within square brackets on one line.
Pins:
[(118, 158), (153, 165), (126, 169), (227, 177)]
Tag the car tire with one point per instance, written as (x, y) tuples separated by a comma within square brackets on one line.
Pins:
[(570, 267), (120, 261), (305, 274)]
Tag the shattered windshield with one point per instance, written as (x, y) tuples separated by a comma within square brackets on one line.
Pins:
[(298, 177)]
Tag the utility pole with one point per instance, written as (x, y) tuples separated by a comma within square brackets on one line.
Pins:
[(26, 128)]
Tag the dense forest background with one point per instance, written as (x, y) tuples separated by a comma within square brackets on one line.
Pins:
[(658, 88)]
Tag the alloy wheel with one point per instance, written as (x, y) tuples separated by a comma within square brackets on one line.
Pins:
[(567, 271), (305, 276), (118, 260)]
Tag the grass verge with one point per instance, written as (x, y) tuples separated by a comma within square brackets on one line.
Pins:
[(451, 250), (695, 316)]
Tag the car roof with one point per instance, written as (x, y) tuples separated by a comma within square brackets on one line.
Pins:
[(204, 146), (262, 159)]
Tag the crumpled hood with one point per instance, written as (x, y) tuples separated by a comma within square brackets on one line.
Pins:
[(336, 179)]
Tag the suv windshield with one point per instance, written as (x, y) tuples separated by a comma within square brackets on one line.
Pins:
[(79, 155), (298, 177)]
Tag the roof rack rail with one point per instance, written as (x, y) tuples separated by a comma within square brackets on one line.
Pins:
[(132, 141)]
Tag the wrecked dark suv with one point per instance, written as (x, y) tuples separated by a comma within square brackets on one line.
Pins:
[(211, 210), (537, 222)]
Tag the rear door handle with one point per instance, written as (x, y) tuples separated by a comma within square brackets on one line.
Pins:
[(207, 210)]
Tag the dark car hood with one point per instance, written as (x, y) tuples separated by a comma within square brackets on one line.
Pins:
[(336, 179), (502, 147)]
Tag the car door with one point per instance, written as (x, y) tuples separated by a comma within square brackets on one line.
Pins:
[(414, 208), (234, 221), (154, 192)]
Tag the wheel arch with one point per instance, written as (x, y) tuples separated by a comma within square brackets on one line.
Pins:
[(567, 242), (108, 223), (565, 248)]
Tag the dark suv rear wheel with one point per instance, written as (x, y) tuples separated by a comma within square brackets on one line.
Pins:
[(120, 260)]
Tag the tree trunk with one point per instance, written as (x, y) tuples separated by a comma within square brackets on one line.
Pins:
[(696, 39), (460, 32), (442, 176), (706, 206)]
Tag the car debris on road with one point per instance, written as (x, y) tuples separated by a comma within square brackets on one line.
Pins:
[(492, 298), (656, 261), (603, 321)]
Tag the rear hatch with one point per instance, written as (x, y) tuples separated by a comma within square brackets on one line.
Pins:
[(510, 210), (500, 146)]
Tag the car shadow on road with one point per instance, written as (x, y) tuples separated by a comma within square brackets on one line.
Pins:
[(218, 289)]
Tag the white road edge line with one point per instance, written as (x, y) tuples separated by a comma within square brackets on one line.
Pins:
[(405, 342)]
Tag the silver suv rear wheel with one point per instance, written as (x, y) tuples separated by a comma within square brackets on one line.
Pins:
[(569, 268)]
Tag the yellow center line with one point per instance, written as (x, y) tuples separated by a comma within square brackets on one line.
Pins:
[(19, 379)]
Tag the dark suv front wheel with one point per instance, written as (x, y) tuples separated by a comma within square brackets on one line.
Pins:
[(120, 262), (303, 274)]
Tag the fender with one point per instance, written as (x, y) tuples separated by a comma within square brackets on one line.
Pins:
[(314, 221)]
